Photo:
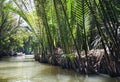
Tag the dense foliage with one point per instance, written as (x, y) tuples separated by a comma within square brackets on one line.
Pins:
[(12, 34)]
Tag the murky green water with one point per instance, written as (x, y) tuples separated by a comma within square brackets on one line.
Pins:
[(25, 69)]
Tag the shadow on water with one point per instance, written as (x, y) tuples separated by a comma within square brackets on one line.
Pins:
[(71, 76), (56, 74)]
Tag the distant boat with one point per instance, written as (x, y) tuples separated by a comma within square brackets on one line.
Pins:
[(20, 54)]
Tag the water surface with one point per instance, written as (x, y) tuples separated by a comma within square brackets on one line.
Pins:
[(25, 69)]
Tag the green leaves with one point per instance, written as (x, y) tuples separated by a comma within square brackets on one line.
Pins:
[(81, 16), (70, 56)]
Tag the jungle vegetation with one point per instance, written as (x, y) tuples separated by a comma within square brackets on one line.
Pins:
[(83, 35)]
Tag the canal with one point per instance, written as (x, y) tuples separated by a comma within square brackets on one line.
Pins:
[(25, 69)]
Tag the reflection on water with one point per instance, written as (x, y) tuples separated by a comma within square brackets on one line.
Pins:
[(25, 69)]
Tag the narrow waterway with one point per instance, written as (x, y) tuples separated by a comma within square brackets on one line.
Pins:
[(25, 69)]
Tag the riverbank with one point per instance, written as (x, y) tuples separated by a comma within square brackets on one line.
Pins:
[(94, 64)]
